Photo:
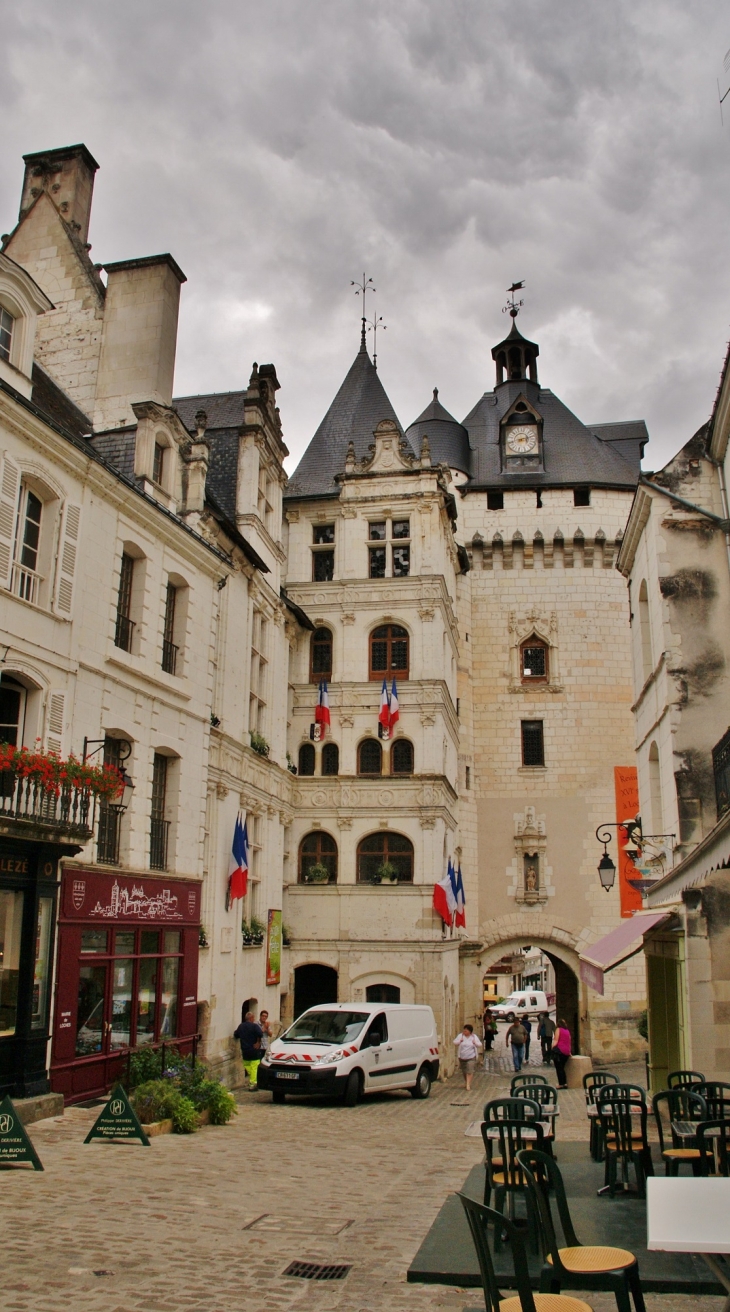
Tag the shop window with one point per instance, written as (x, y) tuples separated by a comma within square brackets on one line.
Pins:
[(317, 851), (11, 924), (401, 757), (6, 334), (370, 757), (131, 998), (306, 759), (125, 626), (169, 648), (533, 746), (320, 656), (381, 853), (534, 661), (159, 825), (323, 553), (330, 759), (389, 652)]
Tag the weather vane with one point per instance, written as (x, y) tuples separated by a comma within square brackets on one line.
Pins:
[(363, 287), (373, 325), (513, 307)]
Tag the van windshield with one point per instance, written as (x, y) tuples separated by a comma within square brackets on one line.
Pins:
[(333, 1027)]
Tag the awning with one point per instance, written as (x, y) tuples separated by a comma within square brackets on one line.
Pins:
[(623, 942)]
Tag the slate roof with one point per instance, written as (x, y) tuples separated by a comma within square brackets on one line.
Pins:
[(225, 411), (357, 409), (59, 407), (447, 438), (573, 453), (117, 448)]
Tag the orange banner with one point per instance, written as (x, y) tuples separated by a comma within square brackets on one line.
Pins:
[(627, 806)]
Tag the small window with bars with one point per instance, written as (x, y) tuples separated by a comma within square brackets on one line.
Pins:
[(534, 661), (370, 757), (124, 629), (320, 656), (330, 759), (323, 553), (158, 464), (107, 844), (159, 824), (259, 672), (401, 757), (533, 743), (6, 334), (389, 652), (169, 648), (306, 759)]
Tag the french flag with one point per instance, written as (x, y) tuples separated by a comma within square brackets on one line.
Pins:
[(384, 715), (322, 709), (238, 869), (444, 896), (460, 918), (394, 711)]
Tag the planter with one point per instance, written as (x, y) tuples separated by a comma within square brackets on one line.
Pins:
[(153, 1128)]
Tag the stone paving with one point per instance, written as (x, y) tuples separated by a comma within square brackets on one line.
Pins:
[(208, 1223)]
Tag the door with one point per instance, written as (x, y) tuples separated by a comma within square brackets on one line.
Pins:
[(663, 978), (377, 1059)]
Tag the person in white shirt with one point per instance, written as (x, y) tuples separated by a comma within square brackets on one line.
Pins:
[(468, 1052)]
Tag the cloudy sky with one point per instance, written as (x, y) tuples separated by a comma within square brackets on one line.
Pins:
[(279, 147)]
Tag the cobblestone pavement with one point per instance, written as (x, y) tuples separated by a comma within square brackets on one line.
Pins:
[(208, 1223)]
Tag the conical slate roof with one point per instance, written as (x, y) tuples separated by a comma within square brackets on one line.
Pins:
[(355, 413), (447, 438)]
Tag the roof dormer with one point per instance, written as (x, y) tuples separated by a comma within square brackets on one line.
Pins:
[(21, 301)]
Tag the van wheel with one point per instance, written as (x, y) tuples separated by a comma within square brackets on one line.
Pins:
[(510, 1017), (352, 1090), (422, 1087), (277, 1095)]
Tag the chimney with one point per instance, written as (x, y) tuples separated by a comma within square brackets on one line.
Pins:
[(137, 360), (67, 175)]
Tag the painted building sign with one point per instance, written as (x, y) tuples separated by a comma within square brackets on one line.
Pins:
[(627, 806), (88, 895), (273, 948)]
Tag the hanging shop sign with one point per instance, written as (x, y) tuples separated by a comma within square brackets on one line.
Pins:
[(118, 1120), (89, 896), (15, 1146), (273, 948), (627, 805)]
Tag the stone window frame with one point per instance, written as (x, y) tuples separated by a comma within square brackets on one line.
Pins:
[(532, 629)]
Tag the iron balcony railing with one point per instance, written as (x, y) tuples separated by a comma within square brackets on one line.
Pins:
[(159, 833), (25, 583), (71, 809), (124, 632), (169, 656), (107, 844), (721, 771)]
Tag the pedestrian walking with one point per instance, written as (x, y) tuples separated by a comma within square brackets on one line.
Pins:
[(562, 1047), (490, 1029), (249, 1035), (468, 1050), (527, 1027), (545, 1032), (517, 1037)]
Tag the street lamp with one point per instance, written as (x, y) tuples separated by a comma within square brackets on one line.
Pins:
[(123, 802), (606, 871), (633, 846), (124, 750)]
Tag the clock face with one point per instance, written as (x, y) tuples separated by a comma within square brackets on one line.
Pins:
[(521, 439)]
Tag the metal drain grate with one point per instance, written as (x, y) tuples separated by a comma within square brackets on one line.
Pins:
[(317, 1271)]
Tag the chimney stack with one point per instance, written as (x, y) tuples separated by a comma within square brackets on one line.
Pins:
[(67, 175)]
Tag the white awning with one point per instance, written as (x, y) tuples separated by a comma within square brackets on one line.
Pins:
[(623, 942)]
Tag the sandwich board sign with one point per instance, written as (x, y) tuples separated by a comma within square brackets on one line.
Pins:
[(118, 1120), (15, 1146)]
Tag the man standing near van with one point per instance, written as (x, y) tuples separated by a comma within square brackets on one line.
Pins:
[(517, 1036), (249, 1035)]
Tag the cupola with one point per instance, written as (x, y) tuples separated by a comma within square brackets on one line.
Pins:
[(515, 358)]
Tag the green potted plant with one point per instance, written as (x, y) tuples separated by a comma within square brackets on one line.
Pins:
[(317, 874), (258, 743), (387, 873)]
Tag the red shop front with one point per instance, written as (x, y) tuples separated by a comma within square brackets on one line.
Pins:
[(127, 974)]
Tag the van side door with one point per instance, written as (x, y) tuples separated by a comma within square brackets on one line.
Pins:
[(375, 1053)]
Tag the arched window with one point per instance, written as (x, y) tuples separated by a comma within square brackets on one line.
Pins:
[(330, 759), (320, 656), (534, 666), (306, 759), (389, 652), (401, 757), (382, 993), (381, 854), (317, 853), (370, 757)]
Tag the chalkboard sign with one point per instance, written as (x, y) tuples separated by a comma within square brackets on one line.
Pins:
[(118, 1120), (15, 1146)]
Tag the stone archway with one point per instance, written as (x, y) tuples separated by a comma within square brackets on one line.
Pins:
[(510, 933)]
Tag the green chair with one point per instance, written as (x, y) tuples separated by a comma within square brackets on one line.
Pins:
[(546, 1096), (524, 1078), (712, 1140), (502, 1109), (480, 1219), (680, 1104), (716, 1094), (577, 1266), (503, 1140), (677, 1079), (625, 1138), (591, 1082)]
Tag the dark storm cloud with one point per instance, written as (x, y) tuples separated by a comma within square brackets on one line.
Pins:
[(447, 146)]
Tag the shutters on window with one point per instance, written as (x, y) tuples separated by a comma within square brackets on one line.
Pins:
[(54, 723), (67, 559), (9, 486)]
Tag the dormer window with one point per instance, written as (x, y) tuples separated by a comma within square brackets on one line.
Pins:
[(6, 334), (521, 438), (158, 464)]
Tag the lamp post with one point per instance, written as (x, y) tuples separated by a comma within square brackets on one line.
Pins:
[(633, 846), (124, 748)]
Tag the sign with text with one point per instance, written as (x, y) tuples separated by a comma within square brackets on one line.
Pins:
[(273, 948), (134, 899), (15, 1146), (627, 806), (118, 1120)]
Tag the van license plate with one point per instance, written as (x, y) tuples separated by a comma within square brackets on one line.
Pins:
[(287, 1075)]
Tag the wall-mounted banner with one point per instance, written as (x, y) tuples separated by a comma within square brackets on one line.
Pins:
[(627, 806), (273, 948)]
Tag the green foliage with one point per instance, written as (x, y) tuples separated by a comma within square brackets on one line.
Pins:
[(185, 1118), (642, 1025), (146, 1064), (155, 1101), (181, 1094), (259, 743), (221, 1104), (254, 933)]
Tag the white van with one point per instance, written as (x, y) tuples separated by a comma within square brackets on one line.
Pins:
[(523, 1002), (351, 1048)]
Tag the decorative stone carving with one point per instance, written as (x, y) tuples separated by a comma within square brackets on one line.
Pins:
[(221, 791), (534, 623), (530, 876)]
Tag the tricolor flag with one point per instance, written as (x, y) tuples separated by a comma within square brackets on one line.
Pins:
[(394, 711), (322, 709), (460, 901), (238, 869), (444, 898), (384, 715)]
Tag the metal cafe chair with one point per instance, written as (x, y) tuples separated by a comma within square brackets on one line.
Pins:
[(678, 1079), (480, 1218), (678, 1106), (626, 1141), (713, 1138), (523, 1078), (716, 1094), (507, 1179), (591, 1082), (502, 1109), (546, 1096), (579, 1266)]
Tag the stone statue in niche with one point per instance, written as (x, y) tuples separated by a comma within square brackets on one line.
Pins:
[(531, 860)]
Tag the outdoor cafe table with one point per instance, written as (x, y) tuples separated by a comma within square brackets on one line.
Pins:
[(688, 1215)]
